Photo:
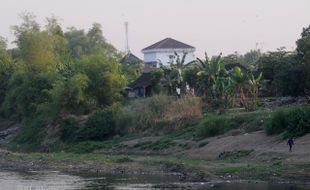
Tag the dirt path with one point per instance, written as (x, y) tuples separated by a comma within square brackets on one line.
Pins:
[(264, 147)]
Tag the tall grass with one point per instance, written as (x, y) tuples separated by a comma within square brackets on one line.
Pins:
[(159, 112), (146, 113)]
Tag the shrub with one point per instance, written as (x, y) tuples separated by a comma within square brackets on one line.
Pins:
[(32, 135), (68, 127), (293, 122), (214, 125), (125, 121), (100, 126), (298, 123), (278, 123)]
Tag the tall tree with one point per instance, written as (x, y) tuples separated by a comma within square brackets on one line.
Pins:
[(98, 43), (6, 69), (303, 53)]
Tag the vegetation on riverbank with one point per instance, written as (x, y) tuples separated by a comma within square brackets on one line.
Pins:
[(66, 88)]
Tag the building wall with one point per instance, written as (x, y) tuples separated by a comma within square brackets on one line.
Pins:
[(149, 57), (165, 56)]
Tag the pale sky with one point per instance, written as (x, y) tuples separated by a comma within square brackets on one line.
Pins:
[(210, 25)]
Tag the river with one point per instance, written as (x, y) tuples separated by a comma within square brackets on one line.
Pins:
[(54, 180)]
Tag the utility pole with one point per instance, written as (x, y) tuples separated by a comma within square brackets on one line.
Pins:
[(126, 35)]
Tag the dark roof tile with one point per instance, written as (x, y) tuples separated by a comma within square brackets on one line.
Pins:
[(167, 44)]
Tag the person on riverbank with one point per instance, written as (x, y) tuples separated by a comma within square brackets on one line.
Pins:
[(290, 143)]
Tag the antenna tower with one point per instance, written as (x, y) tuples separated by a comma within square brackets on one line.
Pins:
[(126, 35)]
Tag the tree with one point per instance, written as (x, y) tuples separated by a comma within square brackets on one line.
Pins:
[(283, 73), (70, 96), (98, 44), (26, 92), (5, 57), (232, 59), (252, 56), (106, 80), (77, 41), (303, 53), (37, 49), (90, 43), (57, 38), (7, 68), (29, 24)]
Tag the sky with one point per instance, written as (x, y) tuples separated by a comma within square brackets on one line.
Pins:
[(213, 26)]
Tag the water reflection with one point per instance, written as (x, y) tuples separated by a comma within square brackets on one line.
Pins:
[(59, 181), (38, 181)]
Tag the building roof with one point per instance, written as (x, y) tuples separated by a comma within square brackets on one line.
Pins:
[(168, 43), (144, 80), (130, 59)]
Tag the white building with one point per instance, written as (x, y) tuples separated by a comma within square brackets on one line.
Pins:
[(163, 52)]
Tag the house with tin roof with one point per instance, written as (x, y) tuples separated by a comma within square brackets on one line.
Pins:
[(163, 52)]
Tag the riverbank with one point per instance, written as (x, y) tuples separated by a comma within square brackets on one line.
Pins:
[(236, 148), (186, 169)]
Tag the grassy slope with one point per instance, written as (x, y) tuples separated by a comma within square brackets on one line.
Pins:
[(175, 148)]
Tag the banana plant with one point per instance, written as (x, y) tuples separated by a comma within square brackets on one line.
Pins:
[(179, 66), (239, 81), (167, 70), (254, 84), (225, 89), (173, 74), (211, 71)]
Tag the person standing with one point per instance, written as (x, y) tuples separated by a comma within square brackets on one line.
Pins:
[(290, 143)]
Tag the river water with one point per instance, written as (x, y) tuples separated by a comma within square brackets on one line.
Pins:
[(59, 181)]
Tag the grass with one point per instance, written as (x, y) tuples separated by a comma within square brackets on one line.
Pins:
[(235, 154), (156, 163), (155, 146), (252, 169)]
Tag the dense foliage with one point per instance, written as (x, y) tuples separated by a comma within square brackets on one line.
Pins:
[(293, 122), (51, 74), (69, 72), (53, 78)]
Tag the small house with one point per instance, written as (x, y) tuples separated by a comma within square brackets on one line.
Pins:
[(163, 52)]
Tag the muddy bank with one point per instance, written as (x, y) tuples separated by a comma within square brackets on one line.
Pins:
[(186, 170), (109, 165)]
